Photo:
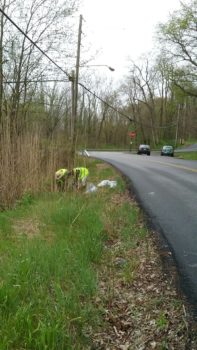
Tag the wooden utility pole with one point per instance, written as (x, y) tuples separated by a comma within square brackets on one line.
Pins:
[(77, 63), (177, 126), (72, 79), (75, 79)]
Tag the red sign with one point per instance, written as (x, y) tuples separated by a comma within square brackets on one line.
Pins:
[(132, 134)]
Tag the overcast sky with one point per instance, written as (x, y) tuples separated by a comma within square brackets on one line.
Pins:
[(122, 28)]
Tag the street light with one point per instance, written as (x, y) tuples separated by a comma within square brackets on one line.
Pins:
[(100, 65)]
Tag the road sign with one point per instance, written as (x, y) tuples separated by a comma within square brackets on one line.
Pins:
[(132, 134)]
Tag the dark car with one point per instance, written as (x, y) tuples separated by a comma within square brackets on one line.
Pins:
[(144, 149), (167, 151)]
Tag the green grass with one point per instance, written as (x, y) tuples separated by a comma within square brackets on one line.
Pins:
[(186, 155), (51, 248), (45, 279)]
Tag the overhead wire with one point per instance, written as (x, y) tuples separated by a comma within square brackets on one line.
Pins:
[(34, 44), (121, 113), (36, 81), (70, 78)]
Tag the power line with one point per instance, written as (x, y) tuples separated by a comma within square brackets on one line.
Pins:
[(70, 78), (50, 59), (121, 113), (36, 81), (106, 103), (33, 42)]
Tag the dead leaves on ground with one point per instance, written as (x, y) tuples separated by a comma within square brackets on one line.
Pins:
[(139, 304)]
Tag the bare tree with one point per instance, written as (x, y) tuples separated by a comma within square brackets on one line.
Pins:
[(43, 23)]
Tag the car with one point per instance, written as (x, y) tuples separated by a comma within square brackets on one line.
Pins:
[(144, 149), (167, 151)]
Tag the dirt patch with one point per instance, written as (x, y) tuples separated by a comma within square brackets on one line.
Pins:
[(102, 166), (119, 199), (28, 227)]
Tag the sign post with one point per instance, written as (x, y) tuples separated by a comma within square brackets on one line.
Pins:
[(132, 134)]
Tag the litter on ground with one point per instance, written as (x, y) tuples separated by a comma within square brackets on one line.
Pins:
[(109, 183), (91, 188)]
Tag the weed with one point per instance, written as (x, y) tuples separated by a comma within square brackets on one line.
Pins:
[(26, 199), (162, 321), (164, 345), (130, 269)]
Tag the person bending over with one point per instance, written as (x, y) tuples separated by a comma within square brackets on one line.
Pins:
[(80, 175), (61, 177)]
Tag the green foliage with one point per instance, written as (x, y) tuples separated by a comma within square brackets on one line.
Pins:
[(187, 155), (121, 185), (26, 199), (5, 226), (162, 321), (179, 94), (48, 277), (130, 217), (50, 249), (177, 34), (164, 345), (180, 21), (107, 173)]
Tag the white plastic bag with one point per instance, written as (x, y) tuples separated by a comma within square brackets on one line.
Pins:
[(91, 188), (108, 183)]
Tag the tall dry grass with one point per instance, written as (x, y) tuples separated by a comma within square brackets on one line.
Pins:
[(28, 162)]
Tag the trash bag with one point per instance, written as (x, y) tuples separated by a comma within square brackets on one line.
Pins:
[(91, 188), (108, 183)]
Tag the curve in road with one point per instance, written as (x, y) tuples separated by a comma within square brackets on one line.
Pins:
[(167, 189)]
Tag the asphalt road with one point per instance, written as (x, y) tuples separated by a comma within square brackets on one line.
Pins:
[(190, 148), (167, 190)]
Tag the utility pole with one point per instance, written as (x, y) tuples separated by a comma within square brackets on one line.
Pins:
[(72, 80), (75, 80), (77, 63), (177, 126)]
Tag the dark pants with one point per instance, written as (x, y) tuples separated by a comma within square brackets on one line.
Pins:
[(60, 184)]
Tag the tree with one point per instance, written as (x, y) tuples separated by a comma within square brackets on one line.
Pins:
[(142, 81), (178, 37), (33, 115), (44, 24)]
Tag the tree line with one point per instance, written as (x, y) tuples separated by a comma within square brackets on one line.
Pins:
[(157, 98)]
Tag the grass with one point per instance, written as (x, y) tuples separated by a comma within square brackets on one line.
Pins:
[(187, 155), (51, 249), (62, 253), (45, 279)]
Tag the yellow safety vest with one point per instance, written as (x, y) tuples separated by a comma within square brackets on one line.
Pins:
[(83, 172), (60, 173)]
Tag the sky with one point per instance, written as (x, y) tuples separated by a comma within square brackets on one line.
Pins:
[(118, 29)]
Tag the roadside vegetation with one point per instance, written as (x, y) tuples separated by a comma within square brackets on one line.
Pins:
[(66, 259), (186, 155), (156, 100), (80, 271)]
